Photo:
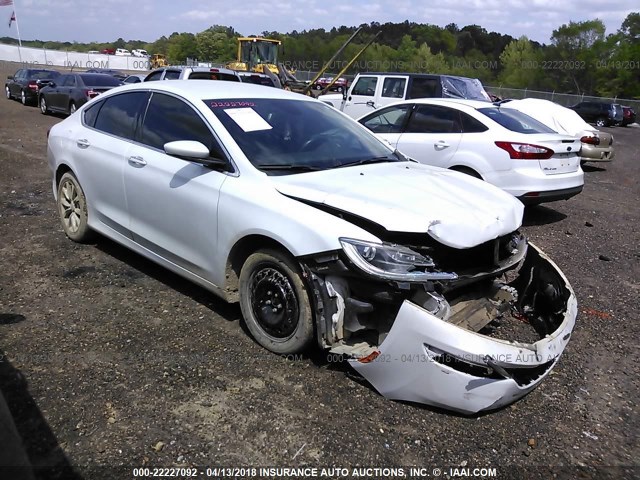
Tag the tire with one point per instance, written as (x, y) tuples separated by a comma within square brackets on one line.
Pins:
[(275, 302), (44, 109), (318, 87), (7, 92), (601, 122), (23, 97), (72, 208), (340, 89), (467, 171), (72, 108)]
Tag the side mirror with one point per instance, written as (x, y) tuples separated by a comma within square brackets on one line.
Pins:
[(9, 77), (51, 84), (193, 151)]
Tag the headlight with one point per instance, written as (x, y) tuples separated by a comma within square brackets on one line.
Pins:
[(392, 262)]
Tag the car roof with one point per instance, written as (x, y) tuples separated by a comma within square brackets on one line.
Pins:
[(475, 104), (222, 89)]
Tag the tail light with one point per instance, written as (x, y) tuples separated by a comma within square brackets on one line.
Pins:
[(91, 93), (33, 85), (591, 140), (525, 151)]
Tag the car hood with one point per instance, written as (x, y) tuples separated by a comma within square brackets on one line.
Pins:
[(455, 209)]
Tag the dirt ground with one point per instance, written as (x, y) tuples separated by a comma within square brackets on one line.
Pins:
[(109, 362)]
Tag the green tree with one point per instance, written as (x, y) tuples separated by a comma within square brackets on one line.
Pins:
[(520, 64)]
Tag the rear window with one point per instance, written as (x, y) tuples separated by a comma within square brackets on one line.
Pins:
[(43, 74), (515, 121), (213, 76), (257, 79), (100, 80)]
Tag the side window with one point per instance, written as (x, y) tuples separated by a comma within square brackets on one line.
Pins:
[(388, 120), (471, 125), (393, 87), (119, 114), (434, 119), (365, 86), (91, 113), (424, 88), (154, 76), (19, 74), (169, 119), (172, 75), (69, 81)]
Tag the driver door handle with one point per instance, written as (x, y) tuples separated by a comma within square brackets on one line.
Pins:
[(82, 143), (137, 161)]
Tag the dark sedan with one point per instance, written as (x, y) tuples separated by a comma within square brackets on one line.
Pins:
[(27, 82), (73, 90)]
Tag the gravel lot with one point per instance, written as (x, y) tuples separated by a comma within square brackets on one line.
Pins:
[(108, 360)]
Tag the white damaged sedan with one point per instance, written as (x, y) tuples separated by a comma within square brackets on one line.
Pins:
[(322, 233)]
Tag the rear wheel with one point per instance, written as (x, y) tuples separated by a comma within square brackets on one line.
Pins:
[(275, 302), (72, 208), (44, 109), (23, 97)]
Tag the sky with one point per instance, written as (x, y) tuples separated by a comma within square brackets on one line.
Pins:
[(148, 20)]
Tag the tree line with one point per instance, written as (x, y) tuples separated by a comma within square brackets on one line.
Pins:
[(580, 58)]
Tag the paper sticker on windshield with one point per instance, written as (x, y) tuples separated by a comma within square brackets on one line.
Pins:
[(248, 119)]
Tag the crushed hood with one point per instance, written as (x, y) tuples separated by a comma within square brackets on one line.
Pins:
[(455, 209)]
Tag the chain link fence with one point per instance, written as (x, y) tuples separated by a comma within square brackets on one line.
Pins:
[(564, 99)]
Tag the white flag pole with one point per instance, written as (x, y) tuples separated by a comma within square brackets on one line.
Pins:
[(15, 14)]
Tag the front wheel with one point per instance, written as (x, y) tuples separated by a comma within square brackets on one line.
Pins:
[(72, 108), (601, 122), (72, 208), (275, 302), (23, 97), (7, 92)]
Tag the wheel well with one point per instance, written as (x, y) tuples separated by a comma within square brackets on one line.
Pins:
[(239, 254), (467, 170), (62, 169)]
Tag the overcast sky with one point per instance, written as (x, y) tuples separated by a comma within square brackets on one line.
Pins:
[(106, 20)]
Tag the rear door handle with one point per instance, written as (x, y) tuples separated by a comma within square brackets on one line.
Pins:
[(441, 144), (82, 143), (137, 161)]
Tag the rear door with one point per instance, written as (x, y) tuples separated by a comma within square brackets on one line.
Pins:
[(110, 129), (432, 135)]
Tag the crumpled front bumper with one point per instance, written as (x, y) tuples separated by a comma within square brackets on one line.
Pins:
[(408, 367)]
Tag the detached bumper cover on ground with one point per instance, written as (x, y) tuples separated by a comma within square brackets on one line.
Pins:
[(424, 359)]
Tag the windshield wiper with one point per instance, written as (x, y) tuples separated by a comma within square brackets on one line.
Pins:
[(288, 166), (368, 161)]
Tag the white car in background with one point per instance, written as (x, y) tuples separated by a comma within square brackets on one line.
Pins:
[(324, 234), (597, 145), (501, 146)]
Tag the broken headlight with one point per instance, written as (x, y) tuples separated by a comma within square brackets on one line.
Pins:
[(392, 262)]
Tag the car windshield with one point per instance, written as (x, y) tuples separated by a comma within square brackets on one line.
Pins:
[(100, 80), (515, 120), (289, 136)]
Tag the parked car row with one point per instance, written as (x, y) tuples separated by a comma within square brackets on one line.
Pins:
[(325, 234)]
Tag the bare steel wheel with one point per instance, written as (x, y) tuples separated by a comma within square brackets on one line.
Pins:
[(72, 207), (275, 303)]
